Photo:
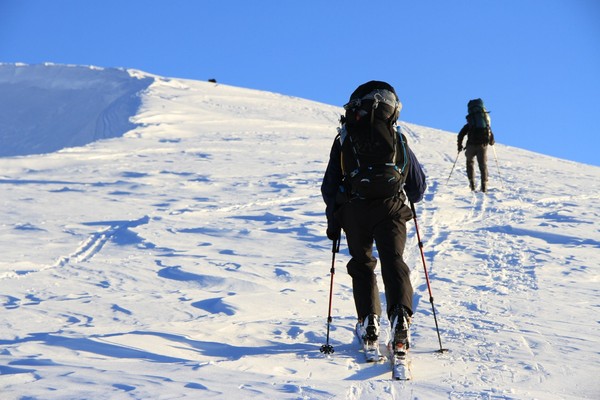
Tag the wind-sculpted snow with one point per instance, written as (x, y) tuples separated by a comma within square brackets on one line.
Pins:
[(45, 108), (187, 259)]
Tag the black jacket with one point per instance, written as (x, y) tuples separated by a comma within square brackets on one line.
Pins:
[(332, 188), (475, 136)]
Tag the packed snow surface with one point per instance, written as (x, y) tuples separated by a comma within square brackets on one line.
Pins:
[(164, 239)]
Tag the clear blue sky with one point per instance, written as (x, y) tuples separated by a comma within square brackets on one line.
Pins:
[(536, 63)]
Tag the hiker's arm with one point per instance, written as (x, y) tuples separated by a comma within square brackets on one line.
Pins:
[(415, 180), (463, 132), (332, 181)]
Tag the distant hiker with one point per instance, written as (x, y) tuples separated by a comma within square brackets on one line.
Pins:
[(370, 173), (479, 134)]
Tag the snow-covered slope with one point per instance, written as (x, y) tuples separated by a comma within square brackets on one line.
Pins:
[(187, 259)]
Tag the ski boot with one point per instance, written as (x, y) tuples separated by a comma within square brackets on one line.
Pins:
[(472, 185), (369, 328), (483, 186), (400, 320)]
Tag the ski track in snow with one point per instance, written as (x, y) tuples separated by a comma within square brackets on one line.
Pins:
[(187, 259), (96, 241)]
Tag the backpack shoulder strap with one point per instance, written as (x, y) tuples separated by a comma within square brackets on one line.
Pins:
[(342, 134), (402, 144)]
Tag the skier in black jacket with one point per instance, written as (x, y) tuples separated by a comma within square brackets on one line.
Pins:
[(478, 139), (382, 221)]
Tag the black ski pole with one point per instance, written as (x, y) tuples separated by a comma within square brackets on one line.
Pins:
[(453, 165), (412, 206), (327, 348)]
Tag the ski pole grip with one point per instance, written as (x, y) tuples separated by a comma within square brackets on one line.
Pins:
[(335, 248)]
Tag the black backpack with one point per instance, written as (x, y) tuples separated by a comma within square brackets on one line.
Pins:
[(373, 155), (479, 121)]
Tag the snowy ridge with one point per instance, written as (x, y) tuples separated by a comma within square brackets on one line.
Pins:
[(46, 107), (186, 258)]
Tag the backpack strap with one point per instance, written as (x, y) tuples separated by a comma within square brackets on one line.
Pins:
[(342, 136), (404, 153)]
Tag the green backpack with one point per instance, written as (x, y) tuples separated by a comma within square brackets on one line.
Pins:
[(478, 116), (478, 119)]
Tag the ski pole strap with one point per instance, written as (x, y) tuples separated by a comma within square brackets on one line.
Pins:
[(335, 248), (412, 208)]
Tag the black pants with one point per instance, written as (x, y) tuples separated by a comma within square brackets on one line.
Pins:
[(382, 222), (478, 151)]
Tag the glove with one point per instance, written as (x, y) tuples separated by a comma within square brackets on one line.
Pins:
[(334, 230), (460, 147)]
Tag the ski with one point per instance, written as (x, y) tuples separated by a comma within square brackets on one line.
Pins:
[(370, 349), (398, 357), (400, 363)]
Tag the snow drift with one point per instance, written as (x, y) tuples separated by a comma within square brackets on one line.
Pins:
[(187, 258), (44, 108)]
